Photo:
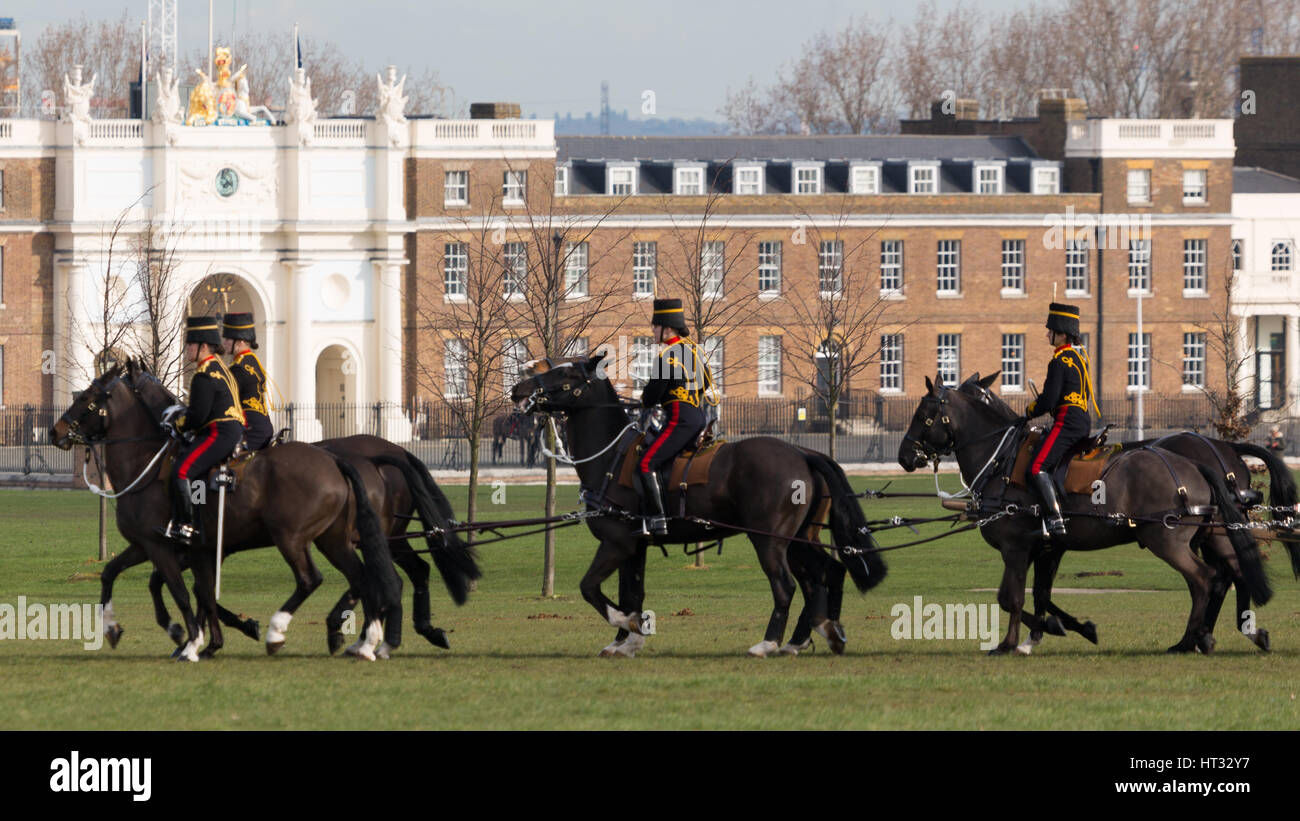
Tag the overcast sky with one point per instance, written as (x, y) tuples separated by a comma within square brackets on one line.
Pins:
[(548, 55)]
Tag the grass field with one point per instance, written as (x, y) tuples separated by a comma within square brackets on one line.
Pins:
[(519, 661)]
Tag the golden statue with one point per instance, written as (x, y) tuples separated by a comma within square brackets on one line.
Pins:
[(208, 101)]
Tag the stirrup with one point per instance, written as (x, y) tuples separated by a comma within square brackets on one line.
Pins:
[(654, 525), (1050, 528), (178, 533)]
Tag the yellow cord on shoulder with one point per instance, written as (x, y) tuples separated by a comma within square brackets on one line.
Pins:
[(280, 396), (1087, 379)]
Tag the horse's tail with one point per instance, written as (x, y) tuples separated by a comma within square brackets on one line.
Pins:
[(848, 524), (379, 579), (1281, 493), (453, 558), (1253, 577)]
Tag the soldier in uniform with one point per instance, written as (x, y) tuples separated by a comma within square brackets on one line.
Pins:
[(681, 385), (213, 416), (250, 376), (1067, 395)]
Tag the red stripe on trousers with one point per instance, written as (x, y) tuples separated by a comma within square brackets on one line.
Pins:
[(184, 472), (659, 440), (1051, 440)]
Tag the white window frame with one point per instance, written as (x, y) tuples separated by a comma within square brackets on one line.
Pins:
[(1198, 193), (891, 268), (713, 269), (1079, 268), (891, 363), (1013, 267), (769, 365), (576, 255), (645, 264), (1139, 266), (830, 267), (1195, 267), (512, 255), (770, 254), (864, 179), (1238, 254), (1139, 194), (916, 184), (514, 187), (814, 185), (1139, 363), (1194, 359), (514, 355), (455, 270), (561, 181), (752, 188), (632, 179), (948, 260), (1047, 180), (715, 356), (948, 351), (688, 181), (1281, 255), (1013, 363), (996, 184), (642, 366), (450, 189), (455, 368)]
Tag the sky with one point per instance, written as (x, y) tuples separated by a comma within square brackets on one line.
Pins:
[(548, 55)]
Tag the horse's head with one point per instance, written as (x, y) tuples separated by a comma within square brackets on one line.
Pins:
[(87, 419), (931, 433), (562, 385)]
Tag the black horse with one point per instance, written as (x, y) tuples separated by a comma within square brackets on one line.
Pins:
[(522, 428), (1153, 497), (752, 489)]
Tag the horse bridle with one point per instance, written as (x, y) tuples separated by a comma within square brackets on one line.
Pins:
[(99, 405), (925, 449)]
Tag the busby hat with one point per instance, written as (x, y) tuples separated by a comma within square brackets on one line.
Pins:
[(203, 329), (669, 313), (239, 326), (1063, 318)]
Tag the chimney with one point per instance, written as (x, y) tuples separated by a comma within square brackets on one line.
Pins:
[(963, 108), (494, 111)]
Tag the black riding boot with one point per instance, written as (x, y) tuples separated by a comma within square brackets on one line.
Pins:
[(1052, 517), (654, 502), (181, 527)]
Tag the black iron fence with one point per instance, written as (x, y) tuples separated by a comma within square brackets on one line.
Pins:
[(25, 441)]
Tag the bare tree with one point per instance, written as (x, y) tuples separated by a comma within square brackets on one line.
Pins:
[(107, 49), (156, 264), (1229, 400)]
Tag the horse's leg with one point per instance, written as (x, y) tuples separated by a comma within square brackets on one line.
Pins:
[(1259, 635), (1219, 553), (334, 620), (771, 556), (1175, 549), (611, 555), (812, 568), (306, 579), (1011, 593), (631, 595), (133, 555), (165, 561), (417, 570), (204, 565)]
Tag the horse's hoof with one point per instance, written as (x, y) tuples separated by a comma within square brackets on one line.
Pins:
[(1025, 648), (1205, 644), (253, 629), (439, 639), (384, 651), (1089, 632), (334, 641), (623, 649), (207, 653), (833, 632), (177, 634), (763, 649), (792, 649), (365, 653), (114, 634), (1002, 650), (1182, 647), (1261, 640), (273, 647), (1053, 626), (176, 654)]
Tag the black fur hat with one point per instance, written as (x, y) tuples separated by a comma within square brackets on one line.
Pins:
[(239, 326), (1063, 318), (203, 329), (669, 313)]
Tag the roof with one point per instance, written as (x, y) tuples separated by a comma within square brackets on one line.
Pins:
[(1255, 180), (822, 148)]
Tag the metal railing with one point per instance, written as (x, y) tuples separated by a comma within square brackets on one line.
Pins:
[(25, 442)]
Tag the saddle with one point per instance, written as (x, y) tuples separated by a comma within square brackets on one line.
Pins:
[(236, 464), (1083, 464), (688, 468)]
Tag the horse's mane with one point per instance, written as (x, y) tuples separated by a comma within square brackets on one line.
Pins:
[(972, 389)]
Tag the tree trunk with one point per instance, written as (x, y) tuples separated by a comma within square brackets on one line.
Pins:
[(103, 527), (548, 560), (830, 433)]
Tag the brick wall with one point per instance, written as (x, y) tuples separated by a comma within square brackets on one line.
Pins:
[(26, 307)]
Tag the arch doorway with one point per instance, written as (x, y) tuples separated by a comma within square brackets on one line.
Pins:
[(336, 392), (217, 295)]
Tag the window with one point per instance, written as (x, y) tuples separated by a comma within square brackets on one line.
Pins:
[(922, 179), (644, 260), (949, 266), (455, 367), (1139, 362), (1194, 186), (575, 269), (808, 179), (561, 181), (891, 363), (712, 255), (715, 349), (891, 266), (578, 347), (1047, 181), (515, 261), (769, 365), (643, 360), (1283, 255), (1193, 360), (1013, 266), (1139, 265), (866, 180), (749, 180), (689, 181), (1013, 362), (2, 191), (2, 274), (830, 266), (769, 267), (513, 187), (455, 266), (622, 181), (988, 179), (1194, 265), (1076, 267), (2, 376), (950, 358), (1238, 251), (456, 188), (513, 359), (1139, 185)]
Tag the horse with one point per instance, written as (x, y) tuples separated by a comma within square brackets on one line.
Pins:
[(1227, 457), (1141, 486), (749, 491), (406, 486), (525, 429), (289, 497)]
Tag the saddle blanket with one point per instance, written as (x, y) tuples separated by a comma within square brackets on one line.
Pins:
[(1083, 468)]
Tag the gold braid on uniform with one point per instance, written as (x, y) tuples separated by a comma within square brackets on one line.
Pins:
[(235, 412), (254, 403)]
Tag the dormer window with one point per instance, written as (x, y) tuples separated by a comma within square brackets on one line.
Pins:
[(688, 181), (748, 180), (561, 181), (923, 179), (864, 179), (988, 179), (1047, 180), (808, 179), (621, 180)]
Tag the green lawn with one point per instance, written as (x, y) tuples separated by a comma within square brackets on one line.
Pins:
[(521, 662)]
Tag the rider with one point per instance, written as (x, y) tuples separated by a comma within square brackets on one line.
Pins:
[(213, 414), (250, 376), (1067, 395), (681, 384)]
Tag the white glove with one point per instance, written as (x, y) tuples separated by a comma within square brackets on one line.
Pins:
[(170, 414)]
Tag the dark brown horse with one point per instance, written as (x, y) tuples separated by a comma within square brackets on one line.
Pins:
[(292, 496), (761, 487), (520, 427), (1143, 504)]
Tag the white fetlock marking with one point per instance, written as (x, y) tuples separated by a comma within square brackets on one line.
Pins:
[(191, 651), (384, 650), (353, 648), (1025, 648), (279, 625), (792, 649), (610, 649), (374, 634), (617, 618), (763, 649), (109, 620), (630, 645)]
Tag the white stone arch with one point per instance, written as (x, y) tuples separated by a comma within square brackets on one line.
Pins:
[(332, 357)]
